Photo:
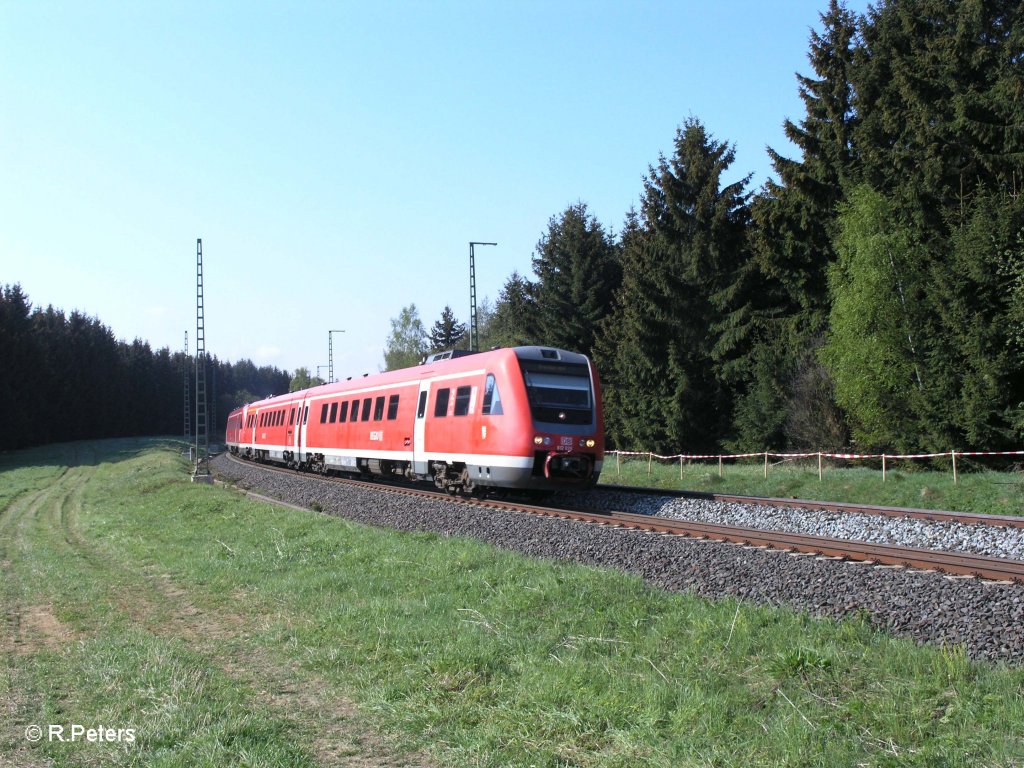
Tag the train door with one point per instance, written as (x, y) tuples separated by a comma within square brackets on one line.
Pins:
[(420, 465), (292, 416), (298, 440)]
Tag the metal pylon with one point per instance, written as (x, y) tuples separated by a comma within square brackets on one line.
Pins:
[(202, 432), (188, 407), (474, 331)]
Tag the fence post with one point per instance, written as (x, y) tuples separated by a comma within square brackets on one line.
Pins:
[(953, 454), (883, 467), (819, 466), (766, 465), (680, 467), (650, 460), (720, 466)]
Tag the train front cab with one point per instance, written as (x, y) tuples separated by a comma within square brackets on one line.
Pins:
[(563, 395), (542, 407)]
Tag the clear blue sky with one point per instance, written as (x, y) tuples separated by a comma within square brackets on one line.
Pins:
[(337, 157)]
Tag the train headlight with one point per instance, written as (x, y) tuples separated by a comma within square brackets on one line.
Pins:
[(591, 443), (538, 440)]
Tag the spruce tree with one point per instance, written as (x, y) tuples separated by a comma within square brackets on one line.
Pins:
[(513, 321), (679, 266), (977, 357), (578, 271), (794, 217), (448, 332)]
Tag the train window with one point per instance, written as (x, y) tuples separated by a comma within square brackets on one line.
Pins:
[(291, 419), (305, 414), (378, 409), (355, 411), (422, 407), (367, 403), (392, 407), (492, 398), (558, 393), (344, 412), (462, 398), (441, 403), (334, 413), (323, 414)]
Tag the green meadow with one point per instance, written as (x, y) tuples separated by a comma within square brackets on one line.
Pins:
[(222, 631)]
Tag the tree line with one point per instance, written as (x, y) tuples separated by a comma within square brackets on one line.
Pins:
[(870, 294), (66, 377)]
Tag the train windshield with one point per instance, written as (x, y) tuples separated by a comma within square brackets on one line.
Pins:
[(559, 393)]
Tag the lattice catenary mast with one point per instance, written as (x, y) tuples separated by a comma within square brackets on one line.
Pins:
[(474, 332), (202, 469), (188, 408)]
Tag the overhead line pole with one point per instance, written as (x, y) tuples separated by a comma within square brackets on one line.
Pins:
[(188, 409), (202, 469), (330, 355), (474, 332)]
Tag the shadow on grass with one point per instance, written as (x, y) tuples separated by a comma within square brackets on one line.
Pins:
[(86, 453)]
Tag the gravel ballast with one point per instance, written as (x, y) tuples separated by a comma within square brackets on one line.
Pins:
[(992, 540), (985, 617)]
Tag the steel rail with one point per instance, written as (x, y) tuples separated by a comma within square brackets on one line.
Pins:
[(954, 563)]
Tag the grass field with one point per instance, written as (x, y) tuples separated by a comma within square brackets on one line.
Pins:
[(907, 484), (226, 632)]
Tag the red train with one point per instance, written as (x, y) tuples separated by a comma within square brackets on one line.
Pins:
[(525, 417)]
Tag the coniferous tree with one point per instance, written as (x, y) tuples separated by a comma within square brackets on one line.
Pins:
[(86, 384), (20, 374), (679, 269), (979, 387), (791, 245), (939, 88), (448, 332), (513, 320), (578, 271)]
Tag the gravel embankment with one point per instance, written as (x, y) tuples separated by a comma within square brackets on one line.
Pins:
[(987, 618)]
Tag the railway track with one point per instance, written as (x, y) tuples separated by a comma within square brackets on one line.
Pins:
[(952, 563), (963, 518)]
